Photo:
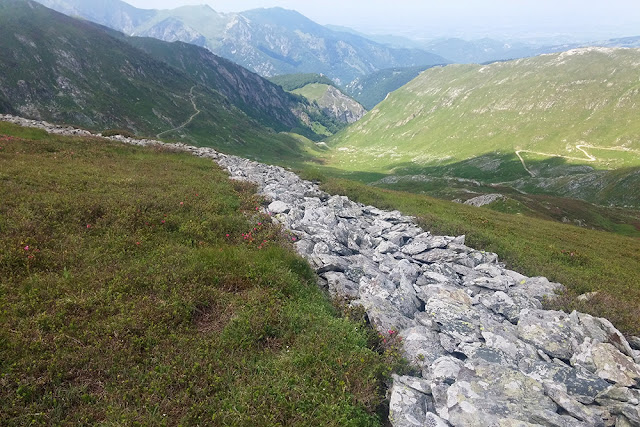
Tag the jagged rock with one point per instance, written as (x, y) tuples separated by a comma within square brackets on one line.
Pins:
[(387, 247), (581, 385), (436, 255), (503, 304), (572, 406), (383, 315), (415, 383), (630, 413), (443, 370), (501, 283), (340, 285), (421, 346), (550, 331), (635, 343), (425, 242), (489, 394), (601, 331), (609, 364), (408, 405), (615, 394), (452, 310), (534, 289)]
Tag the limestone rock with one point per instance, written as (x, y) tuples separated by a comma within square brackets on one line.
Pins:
[(489, 394), (278, 207), (421, 346), (550, 331)]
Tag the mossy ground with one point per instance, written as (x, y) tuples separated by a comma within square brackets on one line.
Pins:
[(140, 286)]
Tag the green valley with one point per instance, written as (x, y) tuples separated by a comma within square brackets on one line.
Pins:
[(561, 124)]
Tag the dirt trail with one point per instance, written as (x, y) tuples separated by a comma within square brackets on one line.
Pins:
[(588, 157), (195, 107)]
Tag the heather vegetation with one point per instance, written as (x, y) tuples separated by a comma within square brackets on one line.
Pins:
[(141, 286)]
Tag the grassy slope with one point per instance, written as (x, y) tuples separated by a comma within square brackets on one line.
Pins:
[(547, 104), (140, 286), (291, 82), (312, 91), (583, 260)]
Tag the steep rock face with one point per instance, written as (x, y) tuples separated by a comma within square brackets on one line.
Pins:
[(340, 106), (486, 351), (333, 102)]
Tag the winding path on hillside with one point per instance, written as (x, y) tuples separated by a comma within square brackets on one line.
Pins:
[(581, 147), (193, 116)]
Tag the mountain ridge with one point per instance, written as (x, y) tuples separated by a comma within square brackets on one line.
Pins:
[(50, 66), (267, 41)]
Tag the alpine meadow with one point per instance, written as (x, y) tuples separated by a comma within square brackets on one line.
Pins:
[(300, 214)]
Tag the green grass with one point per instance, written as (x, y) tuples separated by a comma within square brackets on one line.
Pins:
[(140, 286), (291, 82), (312, 91), (583, 260), (469, 120)]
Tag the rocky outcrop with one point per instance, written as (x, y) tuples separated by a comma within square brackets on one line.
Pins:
[(485, 351), (485, 199), (336, 104)]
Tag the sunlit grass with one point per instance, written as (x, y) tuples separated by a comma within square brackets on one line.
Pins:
[(141, 286)]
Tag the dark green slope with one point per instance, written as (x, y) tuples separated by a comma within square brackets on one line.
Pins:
[(256, 96), (292, 82), (60, 69), (372, 89)]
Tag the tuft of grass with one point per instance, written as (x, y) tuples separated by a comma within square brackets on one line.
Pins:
[(583, 260), (141, 287)]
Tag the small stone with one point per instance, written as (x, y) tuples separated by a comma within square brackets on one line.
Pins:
[(387, 247), (278, 207), (587, 297), (407, 406)]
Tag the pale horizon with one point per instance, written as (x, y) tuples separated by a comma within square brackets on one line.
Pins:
[(502, 19)]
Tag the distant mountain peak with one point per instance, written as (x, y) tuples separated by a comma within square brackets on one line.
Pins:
[(268, 41)]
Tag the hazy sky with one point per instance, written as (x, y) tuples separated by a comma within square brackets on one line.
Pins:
[(466, 18)]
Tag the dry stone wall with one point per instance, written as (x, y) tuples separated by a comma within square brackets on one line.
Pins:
[(486, 353)]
